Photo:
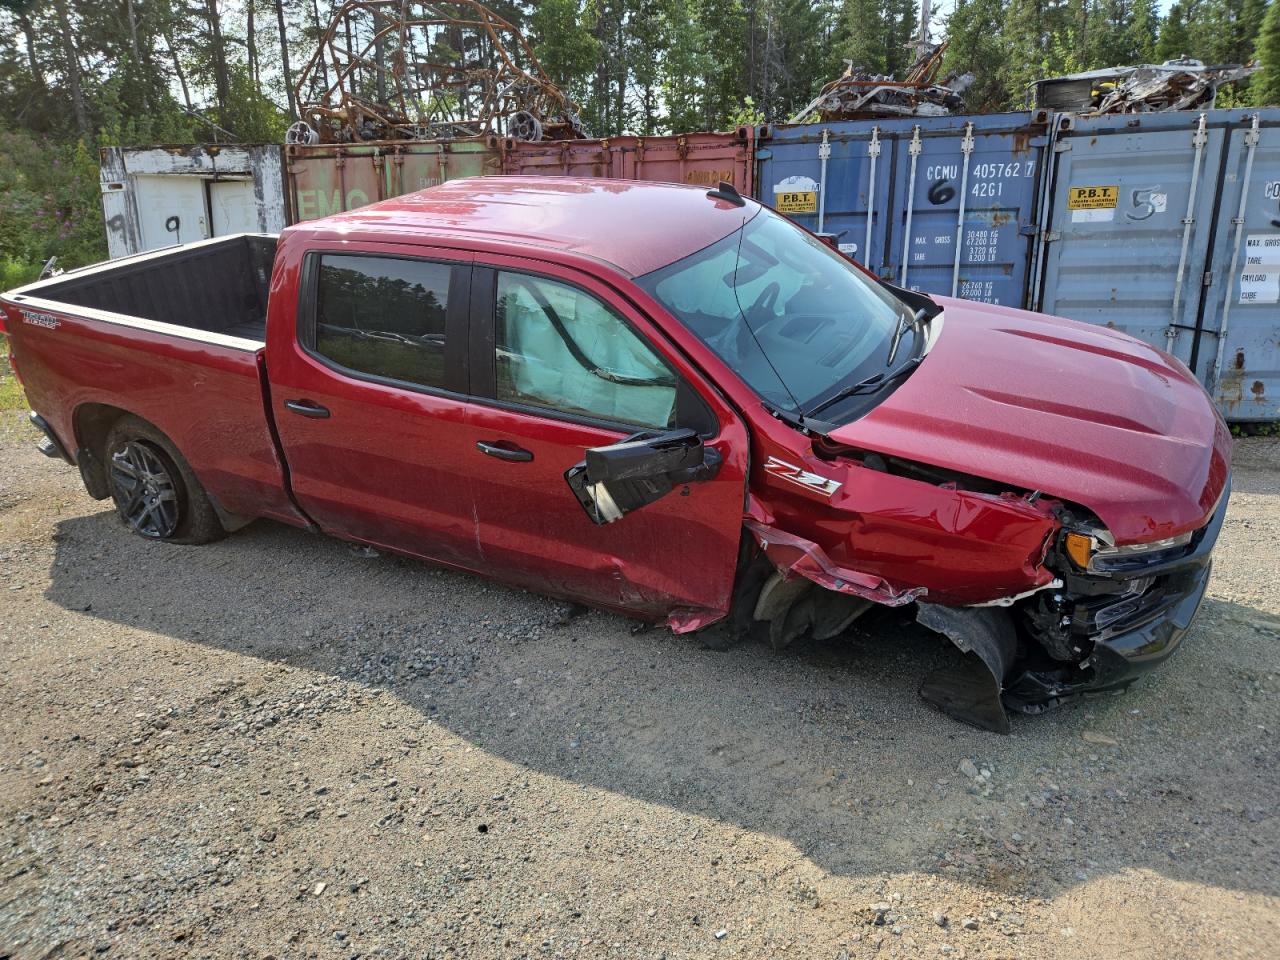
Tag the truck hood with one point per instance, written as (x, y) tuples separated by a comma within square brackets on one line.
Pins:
[(1080, 412)]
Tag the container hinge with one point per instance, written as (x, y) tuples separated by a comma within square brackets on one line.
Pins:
[(1051, 235), (1201, 136), (1026, 229), (1208, 278), (1061, 146)]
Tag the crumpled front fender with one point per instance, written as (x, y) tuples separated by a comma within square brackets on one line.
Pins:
[(792, 554)]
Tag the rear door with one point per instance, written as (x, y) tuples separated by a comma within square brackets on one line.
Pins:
[(233, 206), (370, 398), (171, 210), (562, 365)]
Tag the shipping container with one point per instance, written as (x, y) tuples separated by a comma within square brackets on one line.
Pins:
[(1167, 226), (703, 159), (944, 205), (331, 178), (157, 196)]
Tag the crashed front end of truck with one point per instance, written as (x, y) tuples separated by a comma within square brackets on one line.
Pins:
[(1043, 493), (1087, 617)]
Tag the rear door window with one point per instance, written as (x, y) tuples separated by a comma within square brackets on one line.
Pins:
[(385, 317), (560, 348)]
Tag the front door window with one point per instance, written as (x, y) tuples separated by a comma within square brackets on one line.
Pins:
[(561, 348)]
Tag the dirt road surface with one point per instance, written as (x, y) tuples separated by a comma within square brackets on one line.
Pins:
[(276, 747)]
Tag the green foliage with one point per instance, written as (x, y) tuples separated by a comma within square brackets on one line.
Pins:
[(563, 45), (977, 48), (14, 273), (746, 114), (49, 202), (1265, 85), (11, 395), (252, 117), (1175, 37)]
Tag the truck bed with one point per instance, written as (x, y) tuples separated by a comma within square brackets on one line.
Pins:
[(175, 337), (217, 286)]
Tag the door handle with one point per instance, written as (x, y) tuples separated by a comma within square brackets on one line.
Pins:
[(307, 409), (514, 454)]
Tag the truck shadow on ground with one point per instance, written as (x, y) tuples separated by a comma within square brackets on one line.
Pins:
[(825, 744)]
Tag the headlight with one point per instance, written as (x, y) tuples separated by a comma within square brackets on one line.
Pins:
[(1097, 553)]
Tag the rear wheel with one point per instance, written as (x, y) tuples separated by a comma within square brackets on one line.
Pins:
[(155, 493)]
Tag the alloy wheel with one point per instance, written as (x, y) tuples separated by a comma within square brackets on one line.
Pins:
[(146, 491)]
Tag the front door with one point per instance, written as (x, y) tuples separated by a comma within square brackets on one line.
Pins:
[(370, 398), (560, 365)]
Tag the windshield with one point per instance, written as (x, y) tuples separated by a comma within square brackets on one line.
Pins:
[(787, 313)]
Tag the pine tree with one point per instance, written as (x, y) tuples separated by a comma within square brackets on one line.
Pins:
[(1143, 28), (1265, 84), (1175, 39), (563, 45), (976, 48)]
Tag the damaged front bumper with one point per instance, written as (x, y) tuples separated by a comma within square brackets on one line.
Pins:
[(1108, 631), (1129, 634)]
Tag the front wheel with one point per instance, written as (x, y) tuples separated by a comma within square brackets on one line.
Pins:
[(155, 493)]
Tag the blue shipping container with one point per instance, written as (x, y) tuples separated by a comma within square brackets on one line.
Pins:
[(944, 205), (1167, 226)]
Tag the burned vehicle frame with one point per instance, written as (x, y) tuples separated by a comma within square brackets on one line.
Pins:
[(393, 70)]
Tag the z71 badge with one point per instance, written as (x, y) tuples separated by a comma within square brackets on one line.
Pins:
[(47, 320), (801, 477)]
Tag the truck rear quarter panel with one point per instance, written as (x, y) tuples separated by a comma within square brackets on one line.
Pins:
[(206, 395)]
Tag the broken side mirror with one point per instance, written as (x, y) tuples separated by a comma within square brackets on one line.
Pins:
[(624, 476)]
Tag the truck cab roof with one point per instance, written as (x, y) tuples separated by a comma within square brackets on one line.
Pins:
[(625, 223)]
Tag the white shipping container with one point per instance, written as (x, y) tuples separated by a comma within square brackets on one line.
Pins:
[(155, 197)]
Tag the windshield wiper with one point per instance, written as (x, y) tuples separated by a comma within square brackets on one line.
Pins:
[(872, 384), (916, 319)]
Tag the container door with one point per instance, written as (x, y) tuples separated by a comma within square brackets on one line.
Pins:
[(1123, 212), (171, 209), (233, 207), (789, 178), (974, 190), (1239, 353)]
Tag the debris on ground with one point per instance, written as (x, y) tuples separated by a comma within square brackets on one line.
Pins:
[(860, 95), (1149, 88)]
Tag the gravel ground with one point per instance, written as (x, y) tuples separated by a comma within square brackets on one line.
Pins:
[(277, 747)]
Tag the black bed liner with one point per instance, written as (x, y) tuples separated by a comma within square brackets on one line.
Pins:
[(218, 286)]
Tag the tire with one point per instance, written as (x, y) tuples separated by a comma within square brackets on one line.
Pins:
[(156, 494)]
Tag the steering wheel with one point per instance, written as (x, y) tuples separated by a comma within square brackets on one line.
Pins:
[(766, 301)]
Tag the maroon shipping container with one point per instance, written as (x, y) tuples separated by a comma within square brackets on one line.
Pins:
[(331, 178), (698, 158)]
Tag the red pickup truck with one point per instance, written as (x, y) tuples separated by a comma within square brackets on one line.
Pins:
[(663, 400)]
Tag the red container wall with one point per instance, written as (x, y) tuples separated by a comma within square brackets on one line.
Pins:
[(331, 178), (703, 159)]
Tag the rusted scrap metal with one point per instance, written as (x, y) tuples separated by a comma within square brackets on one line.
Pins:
[(400, 70), (858, 95), (1149, 88)]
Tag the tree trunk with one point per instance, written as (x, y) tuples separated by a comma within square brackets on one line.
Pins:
[(132, 14), (320, 41), (221, 80), (29, 33), (71, 57), (284, 60), (250, 41)]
